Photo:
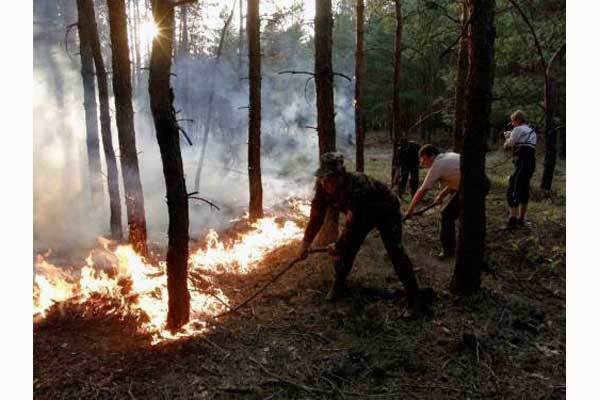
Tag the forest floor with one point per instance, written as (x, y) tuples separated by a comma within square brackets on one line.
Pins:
[(507, 341)]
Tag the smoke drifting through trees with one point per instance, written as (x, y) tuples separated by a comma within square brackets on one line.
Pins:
[(63, 215)]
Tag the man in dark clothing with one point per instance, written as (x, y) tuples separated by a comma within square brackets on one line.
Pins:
[(406, 167), (367, 204)]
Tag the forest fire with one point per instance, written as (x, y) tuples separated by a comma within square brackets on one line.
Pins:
[(136, 287)]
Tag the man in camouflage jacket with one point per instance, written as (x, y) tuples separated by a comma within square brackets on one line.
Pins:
[(367, 204)]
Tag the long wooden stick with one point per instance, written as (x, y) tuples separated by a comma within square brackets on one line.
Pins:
[(421, 211), (266, 285)]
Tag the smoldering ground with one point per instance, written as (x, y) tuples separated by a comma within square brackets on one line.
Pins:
[(64, 217)]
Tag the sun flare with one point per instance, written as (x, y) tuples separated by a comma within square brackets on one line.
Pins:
[(148, 31)]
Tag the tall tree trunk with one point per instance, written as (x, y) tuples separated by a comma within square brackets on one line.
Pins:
[(112, 173), (167, 133), (359, 120), (325, 113), (461, 80), (90, 106), (471, 238), (134, 197), (254, 175), (550, 131), (396, 111)]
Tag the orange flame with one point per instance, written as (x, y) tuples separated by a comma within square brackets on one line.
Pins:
[(105, 271)]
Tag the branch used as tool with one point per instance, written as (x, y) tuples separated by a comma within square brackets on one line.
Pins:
[(266, 285), (421, 211)]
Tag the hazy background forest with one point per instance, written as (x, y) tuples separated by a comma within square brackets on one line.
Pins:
[(211, 57)]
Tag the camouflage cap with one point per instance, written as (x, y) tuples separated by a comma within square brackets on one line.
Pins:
[(331, 163)]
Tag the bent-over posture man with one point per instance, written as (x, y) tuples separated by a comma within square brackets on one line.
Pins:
[(444, 167), (406, 167), (522, 140), (367, 204)]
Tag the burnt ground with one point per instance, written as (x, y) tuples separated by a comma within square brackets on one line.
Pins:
[(508, 341)]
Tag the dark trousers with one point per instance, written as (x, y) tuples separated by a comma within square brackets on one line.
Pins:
[(518, 183), (448, 233), (390, 229), (412, 177)]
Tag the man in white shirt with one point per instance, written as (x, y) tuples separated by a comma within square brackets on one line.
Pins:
[(445, 168), (522, 140)]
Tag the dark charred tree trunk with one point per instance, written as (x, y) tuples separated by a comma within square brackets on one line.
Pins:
[(461, 80), (396, 111), (480, 80), (359, 120), (325, 112), (112, 173), (134, 198), (90, 105), (167, 133), (550, 129), (254, 175)]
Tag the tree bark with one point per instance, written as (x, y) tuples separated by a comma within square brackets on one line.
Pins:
[(134, 198), (112, 173), (167, 133), (396, 111), (90, 106), (550, 131), (461, 80), (359, 120), (254, 175), (471, 238), (325, 112)]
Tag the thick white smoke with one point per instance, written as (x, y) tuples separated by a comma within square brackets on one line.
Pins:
[(63, 216)]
